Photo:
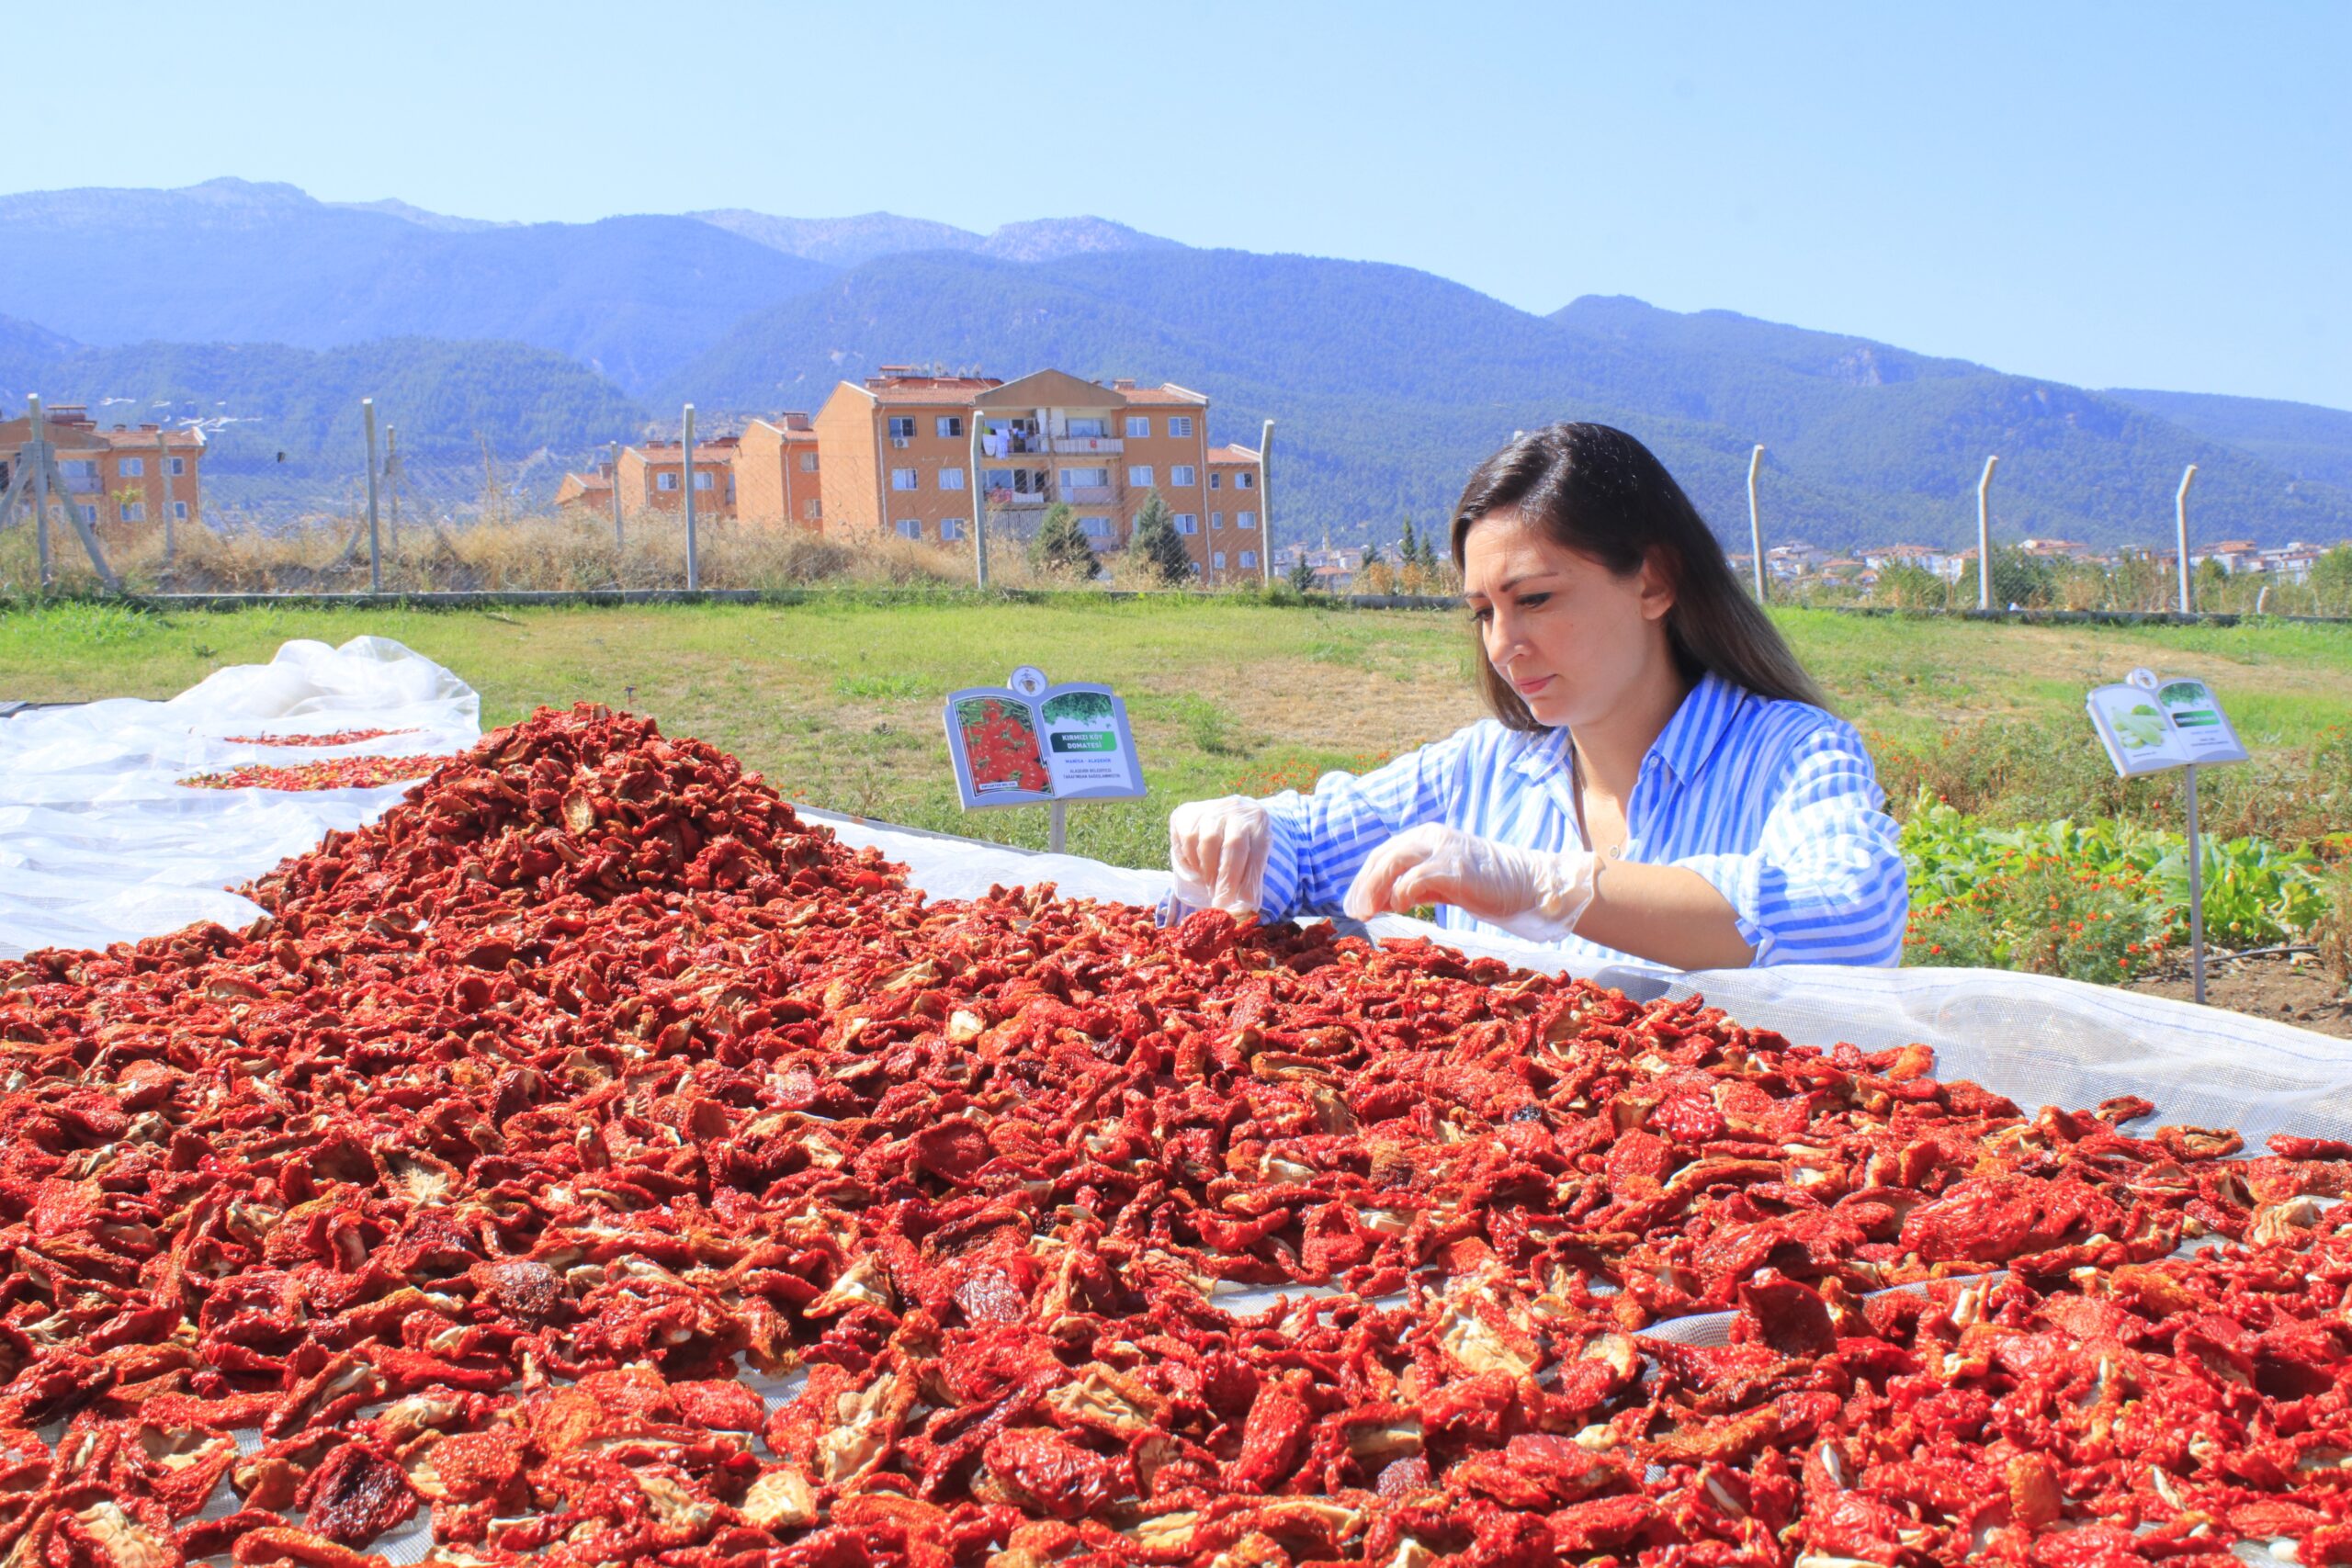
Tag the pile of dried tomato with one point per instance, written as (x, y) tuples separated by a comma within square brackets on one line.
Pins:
[(333, 738), (589, 1084), (339, 773)]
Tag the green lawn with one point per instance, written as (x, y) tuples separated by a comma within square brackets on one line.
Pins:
[(837, 699)]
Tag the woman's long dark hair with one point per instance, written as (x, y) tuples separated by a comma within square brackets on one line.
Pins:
[(1601, 493)]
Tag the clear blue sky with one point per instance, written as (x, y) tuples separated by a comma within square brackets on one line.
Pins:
[(2151, 195)]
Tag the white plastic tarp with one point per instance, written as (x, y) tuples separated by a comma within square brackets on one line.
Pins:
[(99, 841)]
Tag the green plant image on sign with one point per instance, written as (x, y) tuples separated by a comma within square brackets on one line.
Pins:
[(2139, 726), (1079, 707)]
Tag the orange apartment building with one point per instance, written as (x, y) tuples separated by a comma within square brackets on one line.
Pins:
[(117, 478), (777, 475), (898, 452), (652, 475), (586, 495)]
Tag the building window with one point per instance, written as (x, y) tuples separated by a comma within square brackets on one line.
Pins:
[(905, 479), (1216, 519), (1245, 480), (910, 529), (702, 479), (1179, 425), (1087, 478), (1094, 527), (665, 481), (1249, 559), (180, 468), (1182, 476), (951, 478), (1217, 480), (1216, 559), (1245, 520), (949, 424), (1139, 475), (179, 508), (131, 468), (902, 427), (134, 512), (808, 462), (90, 513), (949, 528), (1087, 428), (813, 508), (1138, 426), (1188, 522)]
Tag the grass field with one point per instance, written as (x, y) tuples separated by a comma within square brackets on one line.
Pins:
[(837, 699)]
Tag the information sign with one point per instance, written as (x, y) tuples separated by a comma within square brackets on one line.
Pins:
[(1029, 743)]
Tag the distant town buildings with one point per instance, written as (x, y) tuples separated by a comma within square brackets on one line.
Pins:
[(120, 475), (894, 454), (651, 476)]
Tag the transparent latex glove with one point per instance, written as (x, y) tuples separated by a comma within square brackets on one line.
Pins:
[(1528, 893), (1218, 850)]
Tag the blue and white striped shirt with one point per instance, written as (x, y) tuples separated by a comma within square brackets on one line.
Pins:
[(1773, 802)]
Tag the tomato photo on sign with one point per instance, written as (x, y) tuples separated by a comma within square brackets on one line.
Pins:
[(1002, 744)]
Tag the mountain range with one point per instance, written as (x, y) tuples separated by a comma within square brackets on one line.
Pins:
[(257, 306)]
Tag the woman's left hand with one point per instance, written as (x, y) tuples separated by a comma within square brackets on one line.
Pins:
[(1527, 892)]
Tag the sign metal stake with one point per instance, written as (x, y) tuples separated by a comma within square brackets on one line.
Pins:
[(2195, 891)]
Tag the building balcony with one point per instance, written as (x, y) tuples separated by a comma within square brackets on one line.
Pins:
[(1063, 443), (1090, 495), (1007, 498)]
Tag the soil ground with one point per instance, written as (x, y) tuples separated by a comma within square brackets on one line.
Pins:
[(2299, 993)]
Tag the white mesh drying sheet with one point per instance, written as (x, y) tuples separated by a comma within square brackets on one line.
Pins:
[(100, 843)]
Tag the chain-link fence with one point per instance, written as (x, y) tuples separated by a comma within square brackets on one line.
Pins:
[(282, 506)]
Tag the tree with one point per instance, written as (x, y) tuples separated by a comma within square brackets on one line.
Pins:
[(1302, 576), (1408, 547), (1060, 548), (1371, 556), (1158, 546), (2332, 581), (2208, 584)]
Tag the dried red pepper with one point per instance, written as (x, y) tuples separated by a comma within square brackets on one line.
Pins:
[(592, 1081), (339, 773)]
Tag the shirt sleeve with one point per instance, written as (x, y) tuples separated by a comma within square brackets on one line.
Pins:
[(1321, 841), (1825, 883)]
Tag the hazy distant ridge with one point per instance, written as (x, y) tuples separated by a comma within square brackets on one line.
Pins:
[(1388, 383)]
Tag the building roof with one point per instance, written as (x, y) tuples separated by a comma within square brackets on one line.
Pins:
[(2233, 545), (1052, 389), (925, 391), (74, 432), (718, 449), (1237, 456), (1167, 392)]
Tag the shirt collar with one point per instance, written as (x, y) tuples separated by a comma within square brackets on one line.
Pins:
[(1686, 743), (1698, 727)]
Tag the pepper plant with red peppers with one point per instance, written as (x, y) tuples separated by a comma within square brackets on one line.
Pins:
[(591, 1080)]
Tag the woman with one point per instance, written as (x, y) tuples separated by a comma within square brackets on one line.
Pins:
[(1659, 780)]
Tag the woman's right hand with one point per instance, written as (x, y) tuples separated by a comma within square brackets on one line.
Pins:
[(1217, 850)]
